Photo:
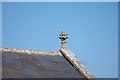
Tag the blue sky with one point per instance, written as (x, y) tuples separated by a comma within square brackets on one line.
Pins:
[(92, 29)]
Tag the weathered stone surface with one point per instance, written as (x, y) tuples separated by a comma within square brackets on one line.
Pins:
[(75, 61), (22, 51)]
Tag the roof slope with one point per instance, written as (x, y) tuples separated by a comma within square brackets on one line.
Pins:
[(31, 64)]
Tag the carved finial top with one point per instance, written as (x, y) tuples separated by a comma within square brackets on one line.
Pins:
[(63, 36)]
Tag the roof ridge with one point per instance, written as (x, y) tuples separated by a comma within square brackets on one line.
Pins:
[(15, 50)]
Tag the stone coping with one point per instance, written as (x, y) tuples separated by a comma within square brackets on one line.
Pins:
[(22, 51), (76, 62)]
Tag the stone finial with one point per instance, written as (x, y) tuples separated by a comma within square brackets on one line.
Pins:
[(63, 36)]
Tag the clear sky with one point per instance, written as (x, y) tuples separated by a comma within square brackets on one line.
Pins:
[(92, 29)]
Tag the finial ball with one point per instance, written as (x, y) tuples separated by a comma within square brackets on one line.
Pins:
[(63, 36)]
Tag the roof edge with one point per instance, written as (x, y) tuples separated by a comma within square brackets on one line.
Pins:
[(77, 64), (23, 51)]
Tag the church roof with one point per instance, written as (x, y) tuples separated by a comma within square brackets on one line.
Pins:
[(19, 63)]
